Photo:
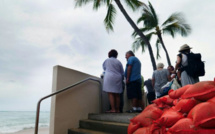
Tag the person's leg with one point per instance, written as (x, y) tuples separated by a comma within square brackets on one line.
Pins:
[(140, 104), (132, 94), (112, 102), (134, 102), (117, 100)]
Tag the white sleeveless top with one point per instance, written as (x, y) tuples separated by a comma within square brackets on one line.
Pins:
[(184, 61)]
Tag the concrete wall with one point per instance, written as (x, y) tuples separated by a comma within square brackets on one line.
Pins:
[(69, 107)]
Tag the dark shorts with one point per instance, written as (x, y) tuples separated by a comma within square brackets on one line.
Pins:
[(134, 90)]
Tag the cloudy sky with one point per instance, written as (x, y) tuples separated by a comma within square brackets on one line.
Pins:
[(37, 35)]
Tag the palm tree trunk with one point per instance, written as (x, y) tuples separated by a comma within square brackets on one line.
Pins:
[(162, 43), (131, 22)]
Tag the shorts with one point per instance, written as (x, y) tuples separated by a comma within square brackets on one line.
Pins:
[(134, 90)]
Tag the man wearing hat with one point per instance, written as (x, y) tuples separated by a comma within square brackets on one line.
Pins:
[(182, 61)]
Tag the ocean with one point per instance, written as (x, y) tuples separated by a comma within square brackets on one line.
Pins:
[(14, 121)]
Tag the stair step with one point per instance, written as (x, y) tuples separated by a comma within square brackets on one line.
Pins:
[(84, 131), (113, 117), (104, 126)]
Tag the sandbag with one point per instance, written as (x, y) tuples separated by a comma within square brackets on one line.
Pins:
[(146, 117), (148, 130), (165, 108), (143, 130), (132, 127), (157, 129), (182, 125), (203, 115), (202, 91), (175, 101), (149, 107), (169, 118), (165, 100), (185, 105), (212, 100), (186, 126), (158, 102), (175, 94)]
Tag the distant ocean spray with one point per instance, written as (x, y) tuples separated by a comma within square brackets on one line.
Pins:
[(13, 121)]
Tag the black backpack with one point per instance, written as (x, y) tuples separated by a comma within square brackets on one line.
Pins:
[(196, 66)]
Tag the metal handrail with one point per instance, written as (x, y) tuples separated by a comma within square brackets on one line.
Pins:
[(62, 90)]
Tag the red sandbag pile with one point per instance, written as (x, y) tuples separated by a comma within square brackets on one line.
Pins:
[(187, 110)]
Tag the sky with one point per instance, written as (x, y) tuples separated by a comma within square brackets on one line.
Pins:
[(37, 35)]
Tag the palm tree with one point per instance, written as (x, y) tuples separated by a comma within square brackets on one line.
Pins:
[(111, 12), (174, 24)]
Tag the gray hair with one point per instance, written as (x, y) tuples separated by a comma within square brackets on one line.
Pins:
[(130, 52), (160, 65)]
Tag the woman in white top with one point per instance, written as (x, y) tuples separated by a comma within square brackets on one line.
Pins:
[(182, 61), (113, 78)]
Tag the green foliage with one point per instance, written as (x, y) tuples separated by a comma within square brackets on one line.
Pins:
[(148, 17), (140, 43), (173, 25), (176, 24), (96, 4), (108, 21), (134, 4), (79, 3), (111, 12)]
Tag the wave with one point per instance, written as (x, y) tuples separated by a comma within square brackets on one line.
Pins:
[(17, 121)]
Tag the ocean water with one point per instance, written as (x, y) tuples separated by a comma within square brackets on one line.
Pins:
[(14, 121)]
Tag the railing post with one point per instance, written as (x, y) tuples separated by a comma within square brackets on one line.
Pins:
[(37, 118)]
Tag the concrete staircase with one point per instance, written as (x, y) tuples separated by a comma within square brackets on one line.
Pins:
[(106, 123)]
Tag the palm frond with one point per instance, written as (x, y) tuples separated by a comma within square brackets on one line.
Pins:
[(96, 4), (109, 19), (182, 28), (170, 29), (158, 49), (134, 34), (79, 3), (173, 18), (140, 43), (137, 44), (108, 2), (153, 13), (148, 17), (134, 4)]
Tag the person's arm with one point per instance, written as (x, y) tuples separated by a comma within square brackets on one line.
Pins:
[(168, 75), (178, 62), (104, 65), (129, 67)]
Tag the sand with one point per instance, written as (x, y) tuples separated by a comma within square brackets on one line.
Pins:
[(31, 131)]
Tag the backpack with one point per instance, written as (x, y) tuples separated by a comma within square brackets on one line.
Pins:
[(196, 66)]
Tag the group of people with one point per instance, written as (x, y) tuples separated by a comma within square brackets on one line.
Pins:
[(114, 79), (162, 76)]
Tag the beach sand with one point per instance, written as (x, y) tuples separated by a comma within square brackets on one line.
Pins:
[(31, 131)]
